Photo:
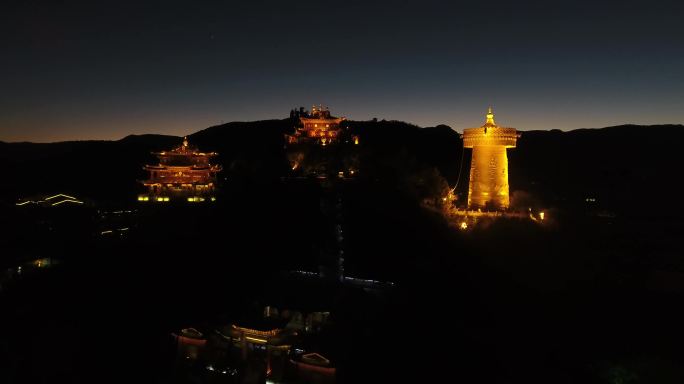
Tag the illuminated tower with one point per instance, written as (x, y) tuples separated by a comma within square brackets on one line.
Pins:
[(488, 187), (183, 174)]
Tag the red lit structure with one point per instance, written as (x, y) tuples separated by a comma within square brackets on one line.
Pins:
[(318, 127), (183, 173)]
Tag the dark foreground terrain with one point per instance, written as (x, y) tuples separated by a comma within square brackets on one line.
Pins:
[(592, 295)]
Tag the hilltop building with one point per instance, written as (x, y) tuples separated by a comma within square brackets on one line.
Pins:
[(315, 146), (318, 127)]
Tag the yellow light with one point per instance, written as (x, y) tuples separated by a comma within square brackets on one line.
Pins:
[(254, 339), (464, 225), (160, 199), (62, 195), (190, 199), (541, 215), (213, 198), (272, 332), (141, 198), (67, 201)]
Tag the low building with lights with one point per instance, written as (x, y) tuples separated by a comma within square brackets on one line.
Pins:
[(58, 200), (266, 339), (274, 345), (182, 174)]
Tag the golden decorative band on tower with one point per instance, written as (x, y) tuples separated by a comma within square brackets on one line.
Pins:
[(488, 186)]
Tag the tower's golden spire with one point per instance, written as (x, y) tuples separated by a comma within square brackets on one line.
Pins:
[(490, 117)]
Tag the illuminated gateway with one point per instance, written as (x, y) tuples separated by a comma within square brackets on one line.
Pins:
[(318, 127), (488, 187), (183, 174)]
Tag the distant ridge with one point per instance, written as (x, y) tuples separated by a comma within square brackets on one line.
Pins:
[(618, 163), (147, 137)]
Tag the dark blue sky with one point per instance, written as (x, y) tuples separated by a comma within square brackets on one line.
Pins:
[(103, 70)]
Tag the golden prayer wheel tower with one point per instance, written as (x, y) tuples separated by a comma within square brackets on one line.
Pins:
[(488, 186)]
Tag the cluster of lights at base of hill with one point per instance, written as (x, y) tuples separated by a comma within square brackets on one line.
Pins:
[(468, 218)]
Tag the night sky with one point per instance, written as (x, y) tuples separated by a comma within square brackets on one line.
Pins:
[(104, 70)]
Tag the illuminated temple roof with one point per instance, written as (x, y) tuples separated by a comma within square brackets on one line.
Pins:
[(490, 119), (321, 115), (258, 324), (183, 173), (490, 134), (184, 155)]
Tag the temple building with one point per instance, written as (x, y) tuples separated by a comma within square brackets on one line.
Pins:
[(317, 127), (182, 174), (488, 186), (265, 341), (276, 344), (320, 145)]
